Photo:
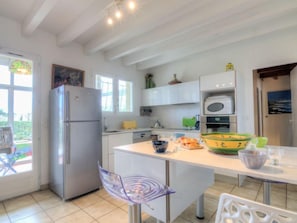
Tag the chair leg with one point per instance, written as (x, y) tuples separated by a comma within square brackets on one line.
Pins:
[(134, 213)]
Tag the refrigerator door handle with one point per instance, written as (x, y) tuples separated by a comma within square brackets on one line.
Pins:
[(67, 149), (67, 106)]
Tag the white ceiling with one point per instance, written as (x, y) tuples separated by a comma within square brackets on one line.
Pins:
[(159, 32)]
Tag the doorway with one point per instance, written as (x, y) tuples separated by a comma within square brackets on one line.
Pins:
[(273, 104), (18, 172)]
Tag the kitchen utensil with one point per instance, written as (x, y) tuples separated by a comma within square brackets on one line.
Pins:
[(157, 124), (189, 122), (253, 158), (226, 143)]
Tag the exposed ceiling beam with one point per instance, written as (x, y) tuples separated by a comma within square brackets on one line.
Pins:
[(143, 23), (37, 15), (261, 13), (222, 40), (88, 19), (207, 15)]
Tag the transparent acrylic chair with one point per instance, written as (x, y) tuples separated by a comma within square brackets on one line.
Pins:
[(134, 190), (233, 209)]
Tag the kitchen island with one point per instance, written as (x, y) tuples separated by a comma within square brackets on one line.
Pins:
[(191, 172)]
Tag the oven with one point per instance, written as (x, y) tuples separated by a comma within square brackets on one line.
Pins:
[(226, 123)]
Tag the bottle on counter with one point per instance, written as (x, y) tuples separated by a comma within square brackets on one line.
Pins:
[(197, 124)]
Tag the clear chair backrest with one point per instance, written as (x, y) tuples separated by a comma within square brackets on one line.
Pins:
[(6, 137), (113, 184), (236, 209)]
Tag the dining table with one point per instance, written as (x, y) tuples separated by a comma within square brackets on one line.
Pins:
[(191, 172)]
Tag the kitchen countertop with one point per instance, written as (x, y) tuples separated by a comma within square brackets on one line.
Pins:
[(286, 172), (121, 131)]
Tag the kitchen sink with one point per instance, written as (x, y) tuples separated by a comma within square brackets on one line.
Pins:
[(111, 131)]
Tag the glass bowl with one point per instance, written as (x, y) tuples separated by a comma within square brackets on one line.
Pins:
[(253, 158)]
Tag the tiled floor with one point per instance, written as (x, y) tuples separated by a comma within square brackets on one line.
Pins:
[(99, 207)]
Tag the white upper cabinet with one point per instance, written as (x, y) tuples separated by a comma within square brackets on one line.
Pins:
[(218, 82), (182, 93)]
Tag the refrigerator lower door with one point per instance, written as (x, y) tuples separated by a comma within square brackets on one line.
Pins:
[(81, 156)]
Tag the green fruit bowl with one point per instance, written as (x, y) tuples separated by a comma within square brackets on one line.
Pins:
[(226, 143)]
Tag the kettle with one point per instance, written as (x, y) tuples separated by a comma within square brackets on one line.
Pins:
[(157, 124)]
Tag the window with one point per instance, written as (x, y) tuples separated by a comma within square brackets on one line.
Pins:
[(105, 84), (115, 99), (125, 96)]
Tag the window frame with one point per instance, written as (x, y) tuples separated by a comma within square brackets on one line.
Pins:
[(116, 93)]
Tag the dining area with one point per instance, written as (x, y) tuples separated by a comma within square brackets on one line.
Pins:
[(192, 172)]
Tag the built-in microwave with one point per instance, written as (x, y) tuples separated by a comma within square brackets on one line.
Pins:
[(219, 105)]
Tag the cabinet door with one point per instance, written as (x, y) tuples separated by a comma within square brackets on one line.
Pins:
[(105, 161), (172, 94), (186, 93), (217, 82), (156, 96), (117, 140)]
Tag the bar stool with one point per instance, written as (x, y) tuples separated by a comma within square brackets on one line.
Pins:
[(134, 190)]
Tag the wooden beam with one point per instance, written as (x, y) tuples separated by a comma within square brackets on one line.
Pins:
[(37, 15)]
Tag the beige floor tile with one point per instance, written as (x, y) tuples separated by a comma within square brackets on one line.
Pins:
[(102, 193), (18, 202), (117, 215), (36, 218), (245, 192), (218, 188), (116, 202), (86, 200), (61, 210), (79, 216), (24, 212), (277, 197), (292, 187), (100, 208), (292, 205), (292, 194), (50, 202), (43, 194)]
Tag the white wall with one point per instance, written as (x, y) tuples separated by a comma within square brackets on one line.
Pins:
[(42, 45), (265, 51)]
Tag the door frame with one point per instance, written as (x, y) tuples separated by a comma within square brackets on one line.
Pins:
[(19, 184)]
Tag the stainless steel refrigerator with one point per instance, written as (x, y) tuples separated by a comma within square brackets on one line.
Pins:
[(75, 140)]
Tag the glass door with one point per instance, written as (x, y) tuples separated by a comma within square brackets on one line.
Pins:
[(18, 172)]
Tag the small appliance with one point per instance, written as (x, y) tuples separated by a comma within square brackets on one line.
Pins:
[(219, 105)]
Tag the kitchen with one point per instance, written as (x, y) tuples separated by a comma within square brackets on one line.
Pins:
[(269, 49)]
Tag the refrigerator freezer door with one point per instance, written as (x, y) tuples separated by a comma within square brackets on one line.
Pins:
[(80, 170), (82, 104)]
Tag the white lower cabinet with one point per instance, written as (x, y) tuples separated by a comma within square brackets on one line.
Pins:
[(110, 141)]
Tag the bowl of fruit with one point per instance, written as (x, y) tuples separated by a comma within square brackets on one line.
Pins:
[(226, 143)]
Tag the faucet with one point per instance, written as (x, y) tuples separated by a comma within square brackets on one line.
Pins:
[(104, 124)]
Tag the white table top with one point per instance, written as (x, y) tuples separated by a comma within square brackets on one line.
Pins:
[(285, 172)]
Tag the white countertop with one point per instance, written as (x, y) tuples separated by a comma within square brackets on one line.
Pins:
[(286, 172), (121, 131)]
